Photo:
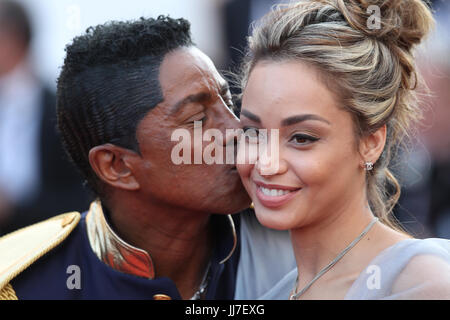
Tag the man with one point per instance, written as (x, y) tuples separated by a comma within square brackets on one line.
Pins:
[(33, 166), (123, 90)]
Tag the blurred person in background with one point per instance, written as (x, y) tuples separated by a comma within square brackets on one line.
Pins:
[(36, 179), (238, 16)]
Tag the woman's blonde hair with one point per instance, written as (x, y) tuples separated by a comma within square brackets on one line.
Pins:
[(369, 67)]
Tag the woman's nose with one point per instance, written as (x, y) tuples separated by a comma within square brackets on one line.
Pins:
[(269, 160)]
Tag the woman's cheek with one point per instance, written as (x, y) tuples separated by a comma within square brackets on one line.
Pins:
[(247, 153), (308, 169), (245, 159), (244, 171)]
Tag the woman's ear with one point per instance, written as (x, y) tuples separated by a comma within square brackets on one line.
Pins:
[(112, 164), (371, 146)]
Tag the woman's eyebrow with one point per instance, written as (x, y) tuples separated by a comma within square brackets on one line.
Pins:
[(288, 121), (303, 117), (251, 116)]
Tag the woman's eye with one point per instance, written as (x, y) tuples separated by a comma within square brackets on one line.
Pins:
[(251, 134), (303, 139)]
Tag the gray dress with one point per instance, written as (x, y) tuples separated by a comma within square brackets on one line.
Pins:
[(261, 275)]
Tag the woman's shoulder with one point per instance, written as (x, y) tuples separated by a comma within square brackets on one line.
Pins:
[(407, 251), (409, 269), (416, 252), (425, 276)]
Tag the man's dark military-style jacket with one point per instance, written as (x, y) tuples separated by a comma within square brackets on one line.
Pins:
[(68, 257)]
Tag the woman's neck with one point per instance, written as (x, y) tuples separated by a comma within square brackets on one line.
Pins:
[(315, 245)]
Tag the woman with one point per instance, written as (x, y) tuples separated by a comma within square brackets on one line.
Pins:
[(340, 91)]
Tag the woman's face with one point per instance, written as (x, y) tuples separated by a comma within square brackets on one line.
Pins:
[(319, 168)]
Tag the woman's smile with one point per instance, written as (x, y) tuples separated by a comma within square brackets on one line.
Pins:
[(273, 196)]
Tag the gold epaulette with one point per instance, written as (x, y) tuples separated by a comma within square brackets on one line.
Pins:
[(21, 248)]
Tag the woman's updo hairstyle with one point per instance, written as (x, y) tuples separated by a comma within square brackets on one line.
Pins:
[(367, 62)]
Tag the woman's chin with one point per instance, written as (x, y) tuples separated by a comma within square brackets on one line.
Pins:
[(272, 219)]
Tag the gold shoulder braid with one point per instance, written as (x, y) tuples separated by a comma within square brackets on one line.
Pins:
[(21, 248), (8, 293)]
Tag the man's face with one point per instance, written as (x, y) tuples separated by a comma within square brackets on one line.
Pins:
[(193, 90), (12, 50)]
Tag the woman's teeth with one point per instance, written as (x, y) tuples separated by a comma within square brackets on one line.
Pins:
[(273, 192)]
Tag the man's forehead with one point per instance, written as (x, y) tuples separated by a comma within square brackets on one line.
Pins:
[(188, 69)]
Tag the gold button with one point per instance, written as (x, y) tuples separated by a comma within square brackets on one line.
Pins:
[(161, 297)]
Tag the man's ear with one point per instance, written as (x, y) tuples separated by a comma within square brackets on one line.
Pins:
[(113, 165), (371, 146)]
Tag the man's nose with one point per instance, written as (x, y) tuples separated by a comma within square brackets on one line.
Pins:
[(230, 125)]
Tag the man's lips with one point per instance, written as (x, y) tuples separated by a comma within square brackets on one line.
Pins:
[(273, 195)]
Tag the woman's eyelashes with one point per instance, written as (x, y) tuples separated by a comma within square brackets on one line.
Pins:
[(252, 134), (302, 139), (251, 131)]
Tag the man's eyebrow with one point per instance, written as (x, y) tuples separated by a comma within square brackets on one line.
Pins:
[(199, 97), (193, 98), (300, 118)]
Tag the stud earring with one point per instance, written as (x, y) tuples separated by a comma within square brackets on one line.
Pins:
[(368, 166)]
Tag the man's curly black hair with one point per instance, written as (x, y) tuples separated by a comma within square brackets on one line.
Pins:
[(109, 82)]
